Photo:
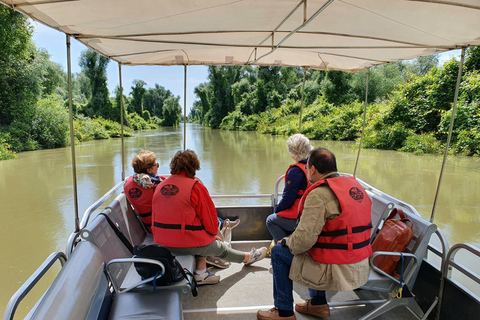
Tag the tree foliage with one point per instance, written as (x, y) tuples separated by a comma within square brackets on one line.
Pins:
[(19, 79), (94, 66)]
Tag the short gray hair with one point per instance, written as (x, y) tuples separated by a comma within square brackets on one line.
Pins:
[(299, 147)]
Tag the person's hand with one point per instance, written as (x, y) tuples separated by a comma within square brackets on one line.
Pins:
[(283, 241), (218, 238)]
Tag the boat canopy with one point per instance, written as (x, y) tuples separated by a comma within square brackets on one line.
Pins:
[(348, 35)]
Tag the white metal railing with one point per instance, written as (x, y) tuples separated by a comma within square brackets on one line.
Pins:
[(99, 202), (450, 263), (31, 282)]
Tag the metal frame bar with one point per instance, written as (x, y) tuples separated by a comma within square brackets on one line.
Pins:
[(450, 130), (303, 100), (364, 123), (447, 271), (184, 107), (31, 282), (121, 119), (72, 134), (98, 203)]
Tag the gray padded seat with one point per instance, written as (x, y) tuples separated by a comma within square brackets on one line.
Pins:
[(159, 305), (87, 288)]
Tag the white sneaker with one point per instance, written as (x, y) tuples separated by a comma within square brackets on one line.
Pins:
[(206, 278), (256, 255), (232, 224)]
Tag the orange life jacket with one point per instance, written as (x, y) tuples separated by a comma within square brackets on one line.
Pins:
[(141, 200), (346, 238), (175, 222), (292, 212)]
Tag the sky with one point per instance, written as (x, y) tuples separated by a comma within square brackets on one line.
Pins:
[(171, 77)]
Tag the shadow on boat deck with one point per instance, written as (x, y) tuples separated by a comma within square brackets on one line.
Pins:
[(245, 289)]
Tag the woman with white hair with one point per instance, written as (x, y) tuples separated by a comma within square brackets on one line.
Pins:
[(283, 221)]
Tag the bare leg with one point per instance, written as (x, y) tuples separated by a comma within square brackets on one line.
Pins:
[(200, 263)]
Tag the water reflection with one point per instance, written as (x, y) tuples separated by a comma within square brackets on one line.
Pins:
[(37, 202)]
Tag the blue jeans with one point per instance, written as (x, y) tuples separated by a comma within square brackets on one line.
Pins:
[(282, 285), (221, 223), (280, 227)]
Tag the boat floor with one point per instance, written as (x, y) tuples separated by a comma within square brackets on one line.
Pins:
[(243, 290)]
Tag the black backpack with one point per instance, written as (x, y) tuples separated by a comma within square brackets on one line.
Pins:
[(174, 271)]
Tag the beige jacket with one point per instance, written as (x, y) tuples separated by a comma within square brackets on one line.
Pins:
[(321, 204)]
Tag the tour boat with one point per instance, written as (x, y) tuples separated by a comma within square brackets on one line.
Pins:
[(98, 279)]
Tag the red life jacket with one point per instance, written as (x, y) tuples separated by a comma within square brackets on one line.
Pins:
[(175, 222), (346, 238), (292, 212), (141, 200)]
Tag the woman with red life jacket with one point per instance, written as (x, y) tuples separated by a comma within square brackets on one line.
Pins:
[(185, 219), (140, 186), (284, 218), (330, 247)]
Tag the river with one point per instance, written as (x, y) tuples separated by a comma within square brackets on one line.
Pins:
[(37, 195)]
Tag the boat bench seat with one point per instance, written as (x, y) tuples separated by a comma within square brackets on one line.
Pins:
[(134, 299), (89, 296), (80, 291), (414, 254)]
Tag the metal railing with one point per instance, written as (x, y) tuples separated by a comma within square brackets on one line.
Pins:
[(450, 263), (31, 282), (99, 202)]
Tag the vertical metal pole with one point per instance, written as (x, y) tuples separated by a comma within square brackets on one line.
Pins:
[(364, 123), (121, 119), (301, 105), (72, 136), (450, 130), (185, 107)]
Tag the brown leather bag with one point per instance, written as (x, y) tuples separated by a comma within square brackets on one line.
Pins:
[(394, 236)]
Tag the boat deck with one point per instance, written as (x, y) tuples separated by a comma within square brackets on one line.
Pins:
[(245, 289)]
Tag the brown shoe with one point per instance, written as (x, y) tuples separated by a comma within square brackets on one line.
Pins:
[(272, 314), (321, 311)]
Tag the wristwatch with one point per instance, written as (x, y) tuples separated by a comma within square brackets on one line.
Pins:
[(283, 242)]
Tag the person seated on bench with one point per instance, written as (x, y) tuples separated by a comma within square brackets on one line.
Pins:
[(283, 221), (140, 186), (185, 219), (330, 248)]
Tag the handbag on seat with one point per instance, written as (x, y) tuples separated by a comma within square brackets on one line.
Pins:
[(395, 236)]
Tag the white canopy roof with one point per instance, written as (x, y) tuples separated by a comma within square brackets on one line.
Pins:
[(347, 35)]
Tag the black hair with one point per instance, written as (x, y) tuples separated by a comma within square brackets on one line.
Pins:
[(323, 160)]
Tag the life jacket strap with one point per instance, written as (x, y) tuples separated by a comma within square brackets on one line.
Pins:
[(341, 246), (342, 232), (177, 226)]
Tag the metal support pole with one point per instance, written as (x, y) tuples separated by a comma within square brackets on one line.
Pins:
[(364, 123), (72, 135), (450, 130), (301, 105), (185, 107), (121, 119)]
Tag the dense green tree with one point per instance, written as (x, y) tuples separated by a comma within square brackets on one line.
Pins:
[(154, 99), (203, 92), (221, 99), (171, 111), (19, 79), (422, 65), (50, 124), (94, 66), (138, 93), (51, 74), (472, 59), (336, 88)]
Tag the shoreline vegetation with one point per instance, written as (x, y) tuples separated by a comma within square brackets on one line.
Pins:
[(409, 103)]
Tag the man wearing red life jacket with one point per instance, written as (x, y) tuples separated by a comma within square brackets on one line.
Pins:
[(185, 219), (283, 220), (330, 247), (140, 186)]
